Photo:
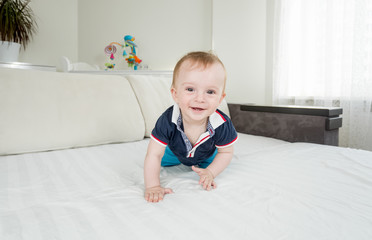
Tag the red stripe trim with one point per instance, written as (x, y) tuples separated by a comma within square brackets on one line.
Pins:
[(159, 140), (221, 116), (228, 143), (196, 144), (201, 141)]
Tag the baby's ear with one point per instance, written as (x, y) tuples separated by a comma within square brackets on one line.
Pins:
[(222, 97), (174, 93)]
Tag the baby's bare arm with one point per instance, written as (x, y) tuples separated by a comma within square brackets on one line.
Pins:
[(153, 191), (221, 161)]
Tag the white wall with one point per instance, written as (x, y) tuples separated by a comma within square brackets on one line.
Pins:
[(165, 30), (57, 32), (239, 39)]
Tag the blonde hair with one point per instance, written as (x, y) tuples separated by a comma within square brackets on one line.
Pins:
[(200, 59)]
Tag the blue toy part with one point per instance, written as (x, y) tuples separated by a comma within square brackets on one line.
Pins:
[(128, 38)]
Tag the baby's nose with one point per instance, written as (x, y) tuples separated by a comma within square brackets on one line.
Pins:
[(200, 97)]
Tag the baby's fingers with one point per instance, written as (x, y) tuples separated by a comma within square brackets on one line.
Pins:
[(156, 195), (168, 191), (206, 183), (149, 197), (152, 196)]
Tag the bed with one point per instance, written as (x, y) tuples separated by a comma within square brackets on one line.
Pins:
[(273, 189)]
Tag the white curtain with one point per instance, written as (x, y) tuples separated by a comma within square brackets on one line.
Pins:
[(323, 57)]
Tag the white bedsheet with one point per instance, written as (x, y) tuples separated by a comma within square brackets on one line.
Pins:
[(271, 190)]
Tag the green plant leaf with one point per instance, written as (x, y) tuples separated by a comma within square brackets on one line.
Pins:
[(17, 21)]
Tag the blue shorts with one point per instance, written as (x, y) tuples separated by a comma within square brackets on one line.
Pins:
[(169, 159)]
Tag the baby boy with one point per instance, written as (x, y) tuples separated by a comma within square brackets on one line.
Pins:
[(192, 131)]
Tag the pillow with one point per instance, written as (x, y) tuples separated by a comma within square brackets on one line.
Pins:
[(50, 110), (154, 97)]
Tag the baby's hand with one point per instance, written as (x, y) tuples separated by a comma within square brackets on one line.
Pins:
[(156, 194), (206, 177)]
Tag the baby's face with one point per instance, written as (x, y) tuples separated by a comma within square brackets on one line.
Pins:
[(199, 91)]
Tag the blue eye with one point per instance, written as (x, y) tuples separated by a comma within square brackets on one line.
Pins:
[(211, 92), (189, 89)]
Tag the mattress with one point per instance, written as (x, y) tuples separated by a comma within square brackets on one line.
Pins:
[(271, 190)]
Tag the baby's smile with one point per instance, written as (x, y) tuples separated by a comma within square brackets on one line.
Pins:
[(197, 109)]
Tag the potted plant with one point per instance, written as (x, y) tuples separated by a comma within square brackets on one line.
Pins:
[(17, 26)]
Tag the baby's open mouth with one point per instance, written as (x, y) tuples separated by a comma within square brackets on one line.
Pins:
[(197, 109)]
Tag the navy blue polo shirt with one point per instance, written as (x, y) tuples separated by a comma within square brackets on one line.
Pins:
[(169, 132)]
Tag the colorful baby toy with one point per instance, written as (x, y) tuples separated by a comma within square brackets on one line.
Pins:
[(109, 65), (132, 60)]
